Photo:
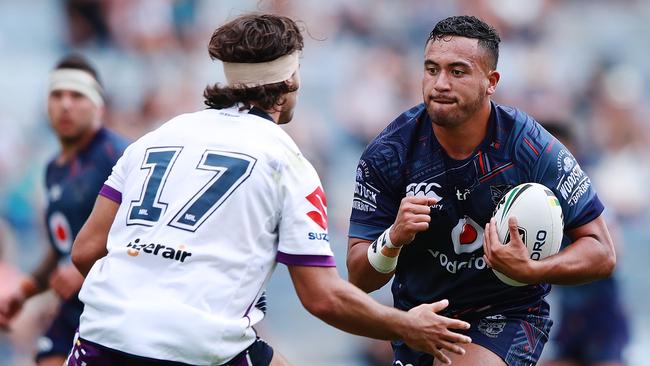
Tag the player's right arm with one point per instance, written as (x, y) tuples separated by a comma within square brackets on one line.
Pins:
[(412, 218), (90, 244), (335, 301)]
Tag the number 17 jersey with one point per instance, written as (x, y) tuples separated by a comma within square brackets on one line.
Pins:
[(209, 202)]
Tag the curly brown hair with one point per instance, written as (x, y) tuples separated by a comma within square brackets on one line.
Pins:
[(252, 38)]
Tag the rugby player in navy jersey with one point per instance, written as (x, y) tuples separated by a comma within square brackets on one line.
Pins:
[(425, 192), (73, 179)]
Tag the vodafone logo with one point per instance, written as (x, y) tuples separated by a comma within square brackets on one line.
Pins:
[(318, 200), (467, 235), (60, 231)]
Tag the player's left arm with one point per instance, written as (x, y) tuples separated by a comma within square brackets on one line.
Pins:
[(90, 244), (589, 257), (590, 254)]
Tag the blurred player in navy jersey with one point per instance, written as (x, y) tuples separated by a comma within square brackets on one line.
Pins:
[(427, 187), (73, 178), (195, 216), (593, 326)]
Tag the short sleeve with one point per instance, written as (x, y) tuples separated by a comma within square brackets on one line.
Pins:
[(558, 170), (114, 185), (375, 202), (303, 235)]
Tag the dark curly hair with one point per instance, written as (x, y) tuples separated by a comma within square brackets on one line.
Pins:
[(252, 38), (469, 27)]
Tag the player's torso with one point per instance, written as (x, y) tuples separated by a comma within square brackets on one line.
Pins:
[(447, 261), (72, 188), (198, 227), (200, 200)]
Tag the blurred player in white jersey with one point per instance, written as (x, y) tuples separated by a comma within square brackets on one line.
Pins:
[(190, 225)]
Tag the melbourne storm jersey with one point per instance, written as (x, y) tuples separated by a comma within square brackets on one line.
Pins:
[(209, 203), (72, 188), (446, 261)]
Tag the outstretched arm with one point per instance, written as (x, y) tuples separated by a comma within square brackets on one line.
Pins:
[(338, 303), (90, 244)]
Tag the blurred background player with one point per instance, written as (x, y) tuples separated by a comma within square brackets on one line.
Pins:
[(428, 185), (189, 227), (593, 325), (73, 179)]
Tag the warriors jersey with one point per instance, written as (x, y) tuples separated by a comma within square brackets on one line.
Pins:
[(209, 202), (446, 261), (72, 188)]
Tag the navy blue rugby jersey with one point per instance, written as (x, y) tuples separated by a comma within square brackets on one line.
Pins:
[(72, 188), (446, 261)]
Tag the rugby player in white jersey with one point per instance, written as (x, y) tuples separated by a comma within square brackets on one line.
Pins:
[(190, 225)]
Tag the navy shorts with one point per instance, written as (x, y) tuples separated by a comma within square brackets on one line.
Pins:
[(517, 339), (85, 353), (58, 337)]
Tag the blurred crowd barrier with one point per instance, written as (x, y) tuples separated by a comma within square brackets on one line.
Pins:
[(579, 62)]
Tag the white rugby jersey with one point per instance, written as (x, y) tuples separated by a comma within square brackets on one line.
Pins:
[(209, 202)]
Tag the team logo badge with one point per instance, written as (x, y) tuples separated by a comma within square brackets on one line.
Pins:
[(498, 191), (318, 200), (467, 236), (492, 326)]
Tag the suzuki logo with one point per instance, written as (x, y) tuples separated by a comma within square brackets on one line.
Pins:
[(317, 198)]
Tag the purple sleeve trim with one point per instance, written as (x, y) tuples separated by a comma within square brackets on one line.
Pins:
[(111, 193), (306, 260)]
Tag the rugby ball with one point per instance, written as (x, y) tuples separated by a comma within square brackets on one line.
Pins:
[(539, 218)]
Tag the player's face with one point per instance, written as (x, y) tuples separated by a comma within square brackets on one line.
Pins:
[(72, 115), (457, 80), (291, 99)]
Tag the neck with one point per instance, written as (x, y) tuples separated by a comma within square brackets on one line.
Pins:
[(460, 141), (273, 113), (69, 149)]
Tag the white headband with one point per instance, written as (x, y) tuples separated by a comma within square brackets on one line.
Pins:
[(261, 73), (79, 81)]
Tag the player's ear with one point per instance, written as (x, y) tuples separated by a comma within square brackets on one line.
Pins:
[(294, 81), (493, 79)]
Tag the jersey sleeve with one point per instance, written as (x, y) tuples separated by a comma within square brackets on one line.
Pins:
[(303, 235), (558, 169), (376, 201), (114, 185)]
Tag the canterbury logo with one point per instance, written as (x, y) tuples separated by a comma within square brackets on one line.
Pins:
[(317, 198)]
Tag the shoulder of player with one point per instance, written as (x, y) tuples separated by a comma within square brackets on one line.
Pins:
[(108, 145), (393, 142), (524, 137)]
